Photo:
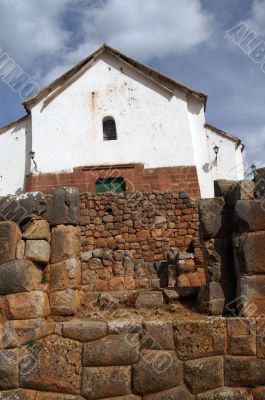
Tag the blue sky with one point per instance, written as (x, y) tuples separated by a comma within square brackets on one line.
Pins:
[(185, 39)]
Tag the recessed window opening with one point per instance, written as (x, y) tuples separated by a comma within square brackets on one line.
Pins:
[(114, 185), (109, 129)]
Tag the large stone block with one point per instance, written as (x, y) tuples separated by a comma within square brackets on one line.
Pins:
[(156, 371), (250, 253), (260, 338), (211, 299), (84, 331), (57, 396), (38, 229), (106, 381), (65, 206), (20, 276), (177, 393), (126, 397), (244, 371), (219, 265), (200, 338), (9, 369), (57, 365), (65, 243), (34, 203), (65, 302), (19, 332), (149, 299), (226, 394), (28, 305), (259, 393), (38, 251), (251, 296), (158, 335), (211, 217), (123, 349), (65, 275), (249, 216), (10, 235), (241, 336), (18, 394), (204, 374)]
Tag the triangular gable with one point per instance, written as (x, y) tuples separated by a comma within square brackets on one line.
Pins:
[(60, 84)]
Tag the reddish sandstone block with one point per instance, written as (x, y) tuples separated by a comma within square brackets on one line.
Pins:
[(65, 243), (28, 305), (10, 235)]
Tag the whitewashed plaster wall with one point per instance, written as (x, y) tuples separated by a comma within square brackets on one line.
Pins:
[(229, 164), (14, 159), (152, 125)]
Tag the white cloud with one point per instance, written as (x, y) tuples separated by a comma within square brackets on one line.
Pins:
[(142, 29), (256, 22), (32, 28)]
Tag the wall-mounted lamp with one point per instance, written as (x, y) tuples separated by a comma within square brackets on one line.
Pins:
[(216, 151)]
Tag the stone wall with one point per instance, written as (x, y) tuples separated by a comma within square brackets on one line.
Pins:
[(64, 338), (233, 234), (132, 359), (125, 239)]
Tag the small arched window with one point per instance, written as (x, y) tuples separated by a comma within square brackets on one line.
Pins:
[(109, 129)]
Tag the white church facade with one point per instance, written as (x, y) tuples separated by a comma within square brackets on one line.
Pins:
[(112, 119)]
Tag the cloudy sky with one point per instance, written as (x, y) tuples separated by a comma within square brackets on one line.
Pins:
[(185, 39)]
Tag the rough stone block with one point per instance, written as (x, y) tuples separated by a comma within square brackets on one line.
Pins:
[(201, 338), (9, 369), (156, 371), (65, 206), (249, 216), (219, 265), (28, 305), (106, 381), (244, 371), (178, 393), (84, 331), (251, 298), (122, 349), (65, 275), (20, 332), (149, 299), (38, 251), (241, 336), (38, 229), (204, 374), (211, 299), (260, 338), (20, 251), (20, 276), (158, 335), (259, 393), (126, 397), (65, 243), (226, 394), (130, 324), (10, 235), (34, 203), (250, 253), (227, 189), (65, 302), (57, 396), (18, 394), (57, 365), (211, 214)]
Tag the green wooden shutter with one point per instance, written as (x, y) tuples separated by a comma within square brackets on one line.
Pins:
[(115, 185)]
